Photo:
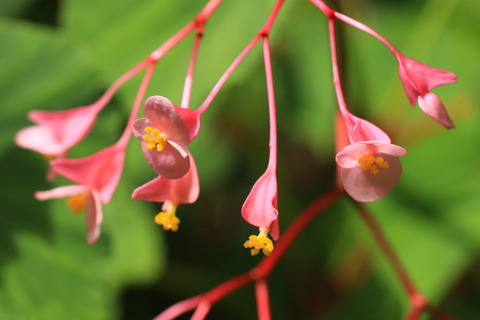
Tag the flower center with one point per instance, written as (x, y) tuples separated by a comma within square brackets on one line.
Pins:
[(168, 219), (260, 242), (155, 139), (77, 202), (371, 163)]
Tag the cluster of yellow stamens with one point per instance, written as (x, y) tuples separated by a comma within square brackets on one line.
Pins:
[(168, 219), (260, 242), (155, 139), (77, 202), (371, 163)]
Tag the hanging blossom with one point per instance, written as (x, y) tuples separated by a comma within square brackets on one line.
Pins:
[(261, 210), (97, 178), (171, 192), (418, 79), (165, 137), (369, 167)]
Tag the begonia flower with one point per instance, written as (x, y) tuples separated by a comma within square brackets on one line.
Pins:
[(57, 131), (261, 210), (418, 79), (369, 167), (97, 177), (172, 192), (164, 138)]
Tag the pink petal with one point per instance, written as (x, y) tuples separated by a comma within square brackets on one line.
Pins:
[(40, 139), (100, 171), (183, 190), (364, 130), (94, 217), (191, 118), (418, 78), (61, 192), (260, 207), (172, 162), (163, 115), (363, 186), (67, 127), (348, 157), (433, 107)]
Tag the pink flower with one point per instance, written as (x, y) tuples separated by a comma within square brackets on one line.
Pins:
[(172, 192), (57, 131), (164, 137), (261, 210), (80, 197), (97, 177), (418, 79), (369, 165)]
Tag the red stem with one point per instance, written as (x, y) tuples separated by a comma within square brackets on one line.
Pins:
[(187, 88), (179, 308), (263, 300), (272, 162), (264, 31)]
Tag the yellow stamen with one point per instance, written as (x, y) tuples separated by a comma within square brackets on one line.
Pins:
[(371, 163), (155, 139), (77, 202), (260, 242), (168, 219)]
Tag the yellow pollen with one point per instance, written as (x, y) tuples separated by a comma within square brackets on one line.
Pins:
[(371, 163), (155, 139), (260, 242), (77, 203), (168, 219)]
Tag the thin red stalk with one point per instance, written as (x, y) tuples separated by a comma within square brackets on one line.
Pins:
[(264, 31), (266, 266), (179, 308), (272, 162), (201, 18), (263, 300), (439, 314), (137, 103), (390, 255), (187, 88), (202, 311)]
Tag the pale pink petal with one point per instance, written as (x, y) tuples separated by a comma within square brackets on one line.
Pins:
[(364, 130), (139, 126), (260, 207), (163, 116), (39, 139), (433, 107), (61, 192), (275, 229), (182, 190), (363, 186), (170, 163), (191, 118), (94, 217), (100, 171), (348, 157)]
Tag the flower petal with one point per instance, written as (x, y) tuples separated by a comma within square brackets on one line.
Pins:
[(94, 217), (260, 207), (100, 171), (172, 162), (364, 130), (348, 157), (363, 186), (163, 115), (434, 108), (40, 139), (182, 190), (61, 192)]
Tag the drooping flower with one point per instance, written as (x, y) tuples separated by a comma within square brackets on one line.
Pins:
[(164, 138), (261, 210), (97, 178), (80, 197), (57, 131), (369, 167), (172, 192), (418, 79)]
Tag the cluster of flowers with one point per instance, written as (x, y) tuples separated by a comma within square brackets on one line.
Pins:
[(369, 165)]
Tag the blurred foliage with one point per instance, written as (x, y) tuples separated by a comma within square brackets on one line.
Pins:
[(70, 51)]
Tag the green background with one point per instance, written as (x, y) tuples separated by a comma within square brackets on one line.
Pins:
[(61, 54)]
